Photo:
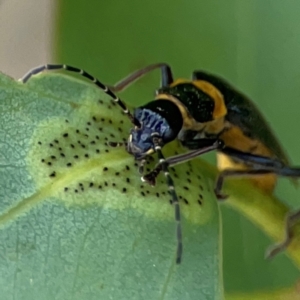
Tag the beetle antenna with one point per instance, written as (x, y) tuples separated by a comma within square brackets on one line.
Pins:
[(172, 192), (104, 88)]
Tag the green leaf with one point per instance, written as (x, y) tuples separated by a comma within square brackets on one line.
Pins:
[(76, 221)]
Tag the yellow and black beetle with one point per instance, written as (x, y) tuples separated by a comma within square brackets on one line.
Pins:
[(204, 114)]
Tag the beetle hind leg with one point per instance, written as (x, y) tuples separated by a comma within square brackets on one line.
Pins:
[(291, 220)]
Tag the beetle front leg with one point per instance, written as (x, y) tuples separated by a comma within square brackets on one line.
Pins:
[(210, 145)]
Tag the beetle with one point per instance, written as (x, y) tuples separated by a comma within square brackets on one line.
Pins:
[(205, 114)]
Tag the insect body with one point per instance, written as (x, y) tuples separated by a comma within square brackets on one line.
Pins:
[(204, 114)]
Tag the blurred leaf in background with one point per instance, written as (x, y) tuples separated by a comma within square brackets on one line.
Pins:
[(253, 44)]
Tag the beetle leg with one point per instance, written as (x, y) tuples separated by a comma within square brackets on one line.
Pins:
[(142, 165), (166, 76), (235, 173), (291, 220), (211, 144), (261, 165)]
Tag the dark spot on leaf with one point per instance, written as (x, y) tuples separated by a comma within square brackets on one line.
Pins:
[(53, 174), (65, 135), (105, 169), (69, 165), (143, 194), (124, 190), (49, 163), (86, 155), (66, 189), (91, 184), (62, 155)]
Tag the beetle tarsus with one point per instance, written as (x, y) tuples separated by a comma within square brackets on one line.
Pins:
[(150, 178), (220, 196)]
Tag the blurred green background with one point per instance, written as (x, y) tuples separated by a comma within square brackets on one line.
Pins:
[(254, 44)]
